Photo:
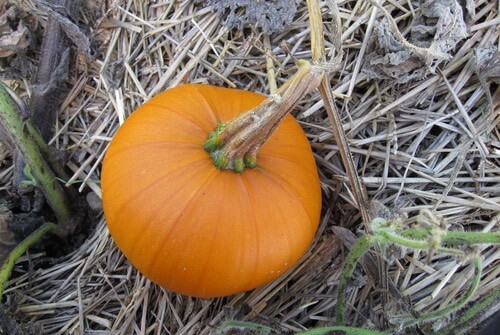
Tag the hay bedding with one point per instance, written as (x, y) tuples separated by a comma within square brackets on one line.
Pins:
[(429, 142)]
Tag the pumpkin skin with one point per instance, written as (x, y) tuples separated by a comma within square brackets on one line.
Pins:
[(192, 228)]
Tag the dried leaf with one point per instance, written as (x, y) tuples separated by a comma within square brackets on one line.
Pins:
[(488, 62), (73, 32), (438, 27), (13, 37), (470, 7), (272, 16), (390, 59)]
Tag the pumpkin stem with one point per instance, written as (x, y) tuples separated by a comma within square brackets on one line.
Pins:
[(234, 145)]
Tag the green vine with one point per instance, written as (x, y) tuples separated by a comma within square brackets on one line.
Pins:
[(472, 315), (42, 170), (478, 267), (229, 327), (431, 236), (346, 330), (43, 166), (364, 243), (21, 248), (456, 238)]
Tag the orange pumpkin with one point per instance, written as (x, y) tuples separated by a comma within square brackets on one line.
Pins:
[(192, 228)]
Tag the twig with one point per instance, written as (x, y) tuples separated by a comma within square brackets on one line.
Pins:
[(318, 55)]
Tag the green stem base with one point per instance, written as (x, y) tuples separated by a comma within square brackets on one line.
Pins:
[(234, 145)]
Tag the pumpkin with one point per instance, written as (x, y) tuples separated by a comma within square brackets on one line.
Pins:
[(191, 227)]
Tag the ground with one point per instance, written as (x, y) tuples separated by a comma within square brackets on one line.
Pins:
[(418, 112)]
